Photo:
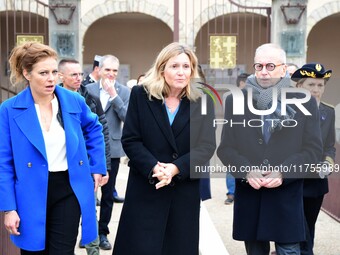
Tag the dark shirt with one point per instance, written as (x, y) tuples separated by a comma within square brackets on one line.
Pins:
[(87, 80), (95, 105)]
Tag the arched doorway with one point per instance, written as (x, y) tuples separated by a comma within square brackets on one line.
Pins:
[(134, 38)]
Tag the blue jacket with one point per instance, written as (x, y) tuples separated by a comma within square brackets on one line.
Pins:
[(24, 166)]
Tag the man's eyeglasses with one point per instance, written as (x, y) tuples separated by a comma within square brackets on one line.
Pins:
[(269, 66), (75, 75)]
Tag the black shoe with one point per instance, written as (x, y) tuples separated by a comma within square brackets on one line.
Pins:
[(104, 244), (118, 199), (81, 246), (229, 200)]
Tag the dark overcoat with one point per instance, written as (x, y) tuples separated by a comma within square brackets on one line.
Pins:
[(314, 186), (163, 221), (274, 214)]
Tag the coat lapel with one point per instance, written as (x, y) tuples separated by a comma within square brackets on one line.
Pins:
[(250, 116), (159, 113), (183, 116), (27, 120), (69, 108), (323, 114)]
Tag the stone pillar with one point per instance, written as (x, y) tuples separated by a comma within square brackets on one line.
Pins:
[(64, 23), (288, 28)]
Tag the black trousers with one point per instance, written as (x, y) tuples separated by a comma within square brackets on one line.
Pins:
[(62, 217), (312, 206), (106, 201), (257, 247)]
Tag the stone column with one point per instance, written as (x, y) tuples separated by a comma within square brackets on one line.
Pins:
[(288, 28), (64, 23)]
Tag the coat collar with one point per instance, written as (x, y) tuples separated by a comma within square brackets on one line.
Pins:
[(27, 119), (181, 120)]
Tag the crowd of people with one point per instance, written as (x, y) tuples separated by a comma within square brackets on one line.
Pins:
[(65, 134)]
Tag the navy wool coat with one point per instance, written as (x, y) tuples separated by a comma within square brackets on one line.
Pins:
[(164, 221), (314, 186), (270, 214)]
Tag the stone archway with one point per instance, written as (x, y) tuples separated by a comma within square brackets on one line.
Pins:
[(25, 5), (158, 11), (320, 13)]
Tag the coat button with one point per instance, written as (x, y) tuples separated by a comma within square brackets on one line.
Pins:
[(260, 141), (81, 162), (175, 155), (29, 164), (265, 161)]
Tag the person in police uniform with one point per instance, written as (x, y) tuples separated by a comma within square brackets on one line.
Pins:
[(313, 76), (94, 75)]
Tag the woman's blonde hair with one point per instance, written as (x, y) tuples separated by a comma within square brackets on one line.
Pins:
[(25, 56), (154, 82)]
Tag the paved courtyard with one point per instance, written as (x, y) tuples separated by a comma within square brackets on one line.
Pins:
[(220, 217)]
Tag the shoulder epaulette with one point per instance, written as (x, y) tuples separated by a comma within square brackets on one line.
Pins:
[(329, 105)]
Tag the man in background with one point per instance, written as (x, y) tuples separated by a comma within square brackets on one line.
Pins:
[(71, 74), (94, 75), (114, 98)]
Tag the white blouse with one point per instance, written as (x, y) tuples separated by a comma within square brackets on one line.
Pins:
[(55, 141)]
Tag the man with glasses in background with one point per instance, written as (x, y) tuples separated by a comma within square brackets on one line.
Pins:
[(71, 75), (268, 202)]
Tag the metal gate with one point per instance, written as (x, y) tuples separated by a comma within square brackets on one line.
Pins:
[(229, 34), (21, 21)]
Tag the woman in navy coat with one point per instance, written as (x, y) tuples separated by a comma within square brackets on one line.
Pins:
[(313, 76), (52, 157), (165, 136)]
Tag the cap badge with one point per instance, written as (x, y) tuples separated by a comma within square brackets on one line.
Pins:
[(318, 67)]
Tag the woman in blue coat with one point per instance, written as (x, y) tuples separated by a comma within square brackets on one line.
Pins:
[(165, 136), (52, 157)]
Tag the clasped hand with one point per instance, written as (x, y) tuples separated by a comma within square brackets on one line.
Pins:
[(164, 173), (268, 179)]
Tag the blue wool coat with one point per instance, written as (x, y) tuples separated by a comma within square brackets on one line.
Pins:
[(24, 166)]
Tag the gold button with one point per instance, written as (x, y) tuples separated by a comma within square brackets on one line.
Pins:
[(81, 162), (29, 164)]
